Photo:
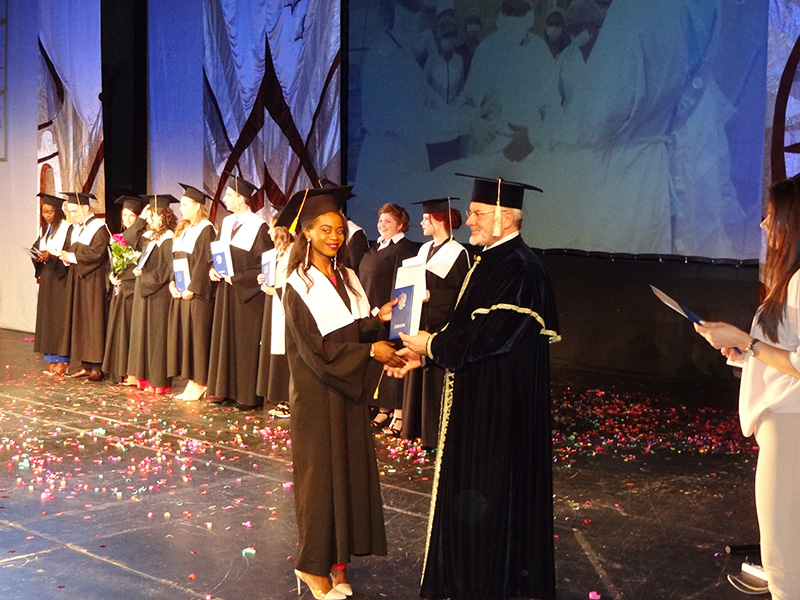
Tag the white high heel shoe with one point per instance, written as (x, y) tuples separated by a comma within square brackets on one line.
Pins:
[(344, 588), (333, 594)]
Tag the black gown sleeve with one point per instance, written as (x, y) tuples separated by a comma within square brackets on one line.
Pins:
[(200, 264), (356, 249), (339, 364), (157, 271), (248, 267), (94, 255), (491, 322)]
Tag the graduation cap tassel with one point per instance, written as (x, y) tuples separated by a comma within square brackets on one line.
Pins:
[(498, 212), (293, 226), (378, 387), (450, 218)]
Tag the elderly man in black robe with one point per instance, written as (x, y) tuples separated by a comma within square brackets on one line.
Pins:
[(87, 307), (491, 530)]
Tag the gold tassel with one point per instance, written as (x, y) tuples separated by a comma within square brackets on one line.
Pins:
[(498, 212), (450, 218), (377, 387), (293, 226)]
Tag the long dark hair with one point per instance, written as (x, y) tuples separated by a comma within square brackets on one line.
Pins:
[(297, 257), (783, 252), (168, 222)]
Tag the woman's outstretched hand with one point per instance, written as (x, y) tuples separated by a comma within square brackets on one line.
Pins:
[(384, 352)]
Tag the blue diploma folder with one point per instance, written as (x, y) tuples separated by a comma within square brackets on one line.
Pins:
[(401, 312)]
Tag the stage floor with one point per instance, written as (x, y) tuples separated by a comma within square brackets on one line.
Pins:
[(107, 493)]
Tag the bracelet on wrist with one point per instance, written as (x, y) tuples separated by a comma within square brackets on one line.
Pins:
[(751, 347)]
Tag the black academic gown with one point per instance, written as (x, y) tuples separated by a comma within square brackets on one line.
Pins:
[(147, 358), (235, 331), (86, 303), (50, 312), (273, 368), (336, 488), (357, 246), (422, 392), (377, 271), (491, 535), (118, 332), (189, 338)]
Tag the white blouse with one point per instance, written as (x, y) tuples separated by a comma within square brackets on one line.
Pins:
[(764, 387)]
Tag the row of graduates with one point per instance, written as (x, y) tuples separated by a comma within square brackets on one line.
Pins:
[(205, 334), (150, 332), (335, 344)]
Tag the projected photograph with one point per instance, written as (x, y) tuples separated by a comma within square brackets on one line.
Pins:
[(643, 122)]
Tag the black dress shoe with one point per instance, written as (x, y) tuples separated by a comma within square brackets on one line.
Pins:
[(78, 374), (95, 375)]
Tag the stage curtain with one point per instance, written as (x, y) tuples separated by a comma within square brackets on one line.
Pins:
[(69, 94), (271, 95)]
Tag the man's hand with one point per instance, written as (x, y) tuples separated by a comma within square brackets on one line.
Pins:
[(412, 361), (416, 343)]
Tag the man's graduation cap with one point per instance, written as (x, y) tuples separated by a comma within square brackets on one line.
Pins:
[(306, 205), (132, 203), (193, 193), (241, 186), (79, 198), (51, 200), (500, 192), (155, 201)]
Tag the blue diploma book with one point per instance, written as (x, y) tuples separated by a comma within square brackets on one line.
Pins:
[(268, 267), (401, 312), (221, 255), (180, 270)]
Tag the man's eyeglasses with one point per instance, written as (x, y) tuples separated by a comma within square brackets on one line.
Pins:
[(478, 213)]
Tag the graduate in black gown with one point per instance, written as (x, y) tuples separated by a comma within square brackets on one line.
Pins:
[(273, 367), (147, 358), (491, 530), (377, 272), (239, 302), (192, 309), (335, 357), (86, 303), (118, 332), (51, 275), (446, 264)]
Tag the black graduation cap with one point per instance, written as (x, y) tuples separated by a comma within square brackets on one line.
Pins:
[(132, 203), (498, 191), (306, 205), (436, 205), (80, 198), (195, 194), (241, 186), (51, 200), (155, 201)]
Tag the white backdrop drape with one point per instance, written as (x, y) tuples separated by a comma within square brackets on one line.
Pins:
[(69, 32), (272, 93)]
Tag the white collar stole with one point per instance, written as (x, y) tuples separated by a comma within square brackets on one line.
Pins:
[(325, 304)]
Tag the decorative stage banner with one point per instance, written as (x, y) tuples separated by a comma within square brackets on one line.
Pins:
[(70, 112), (642, 120), (271, 95)]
